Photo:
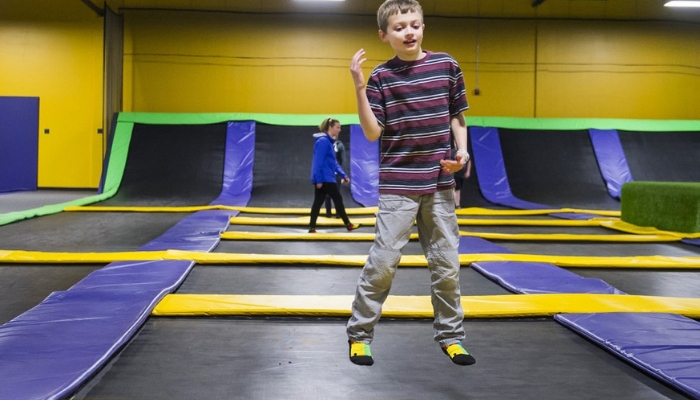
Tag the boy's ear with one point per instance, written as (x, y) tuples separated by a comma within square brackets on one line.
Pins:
[(382, 36)]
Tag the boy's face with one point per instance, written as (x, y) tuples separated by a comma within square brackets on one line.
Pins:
[(405, 35)]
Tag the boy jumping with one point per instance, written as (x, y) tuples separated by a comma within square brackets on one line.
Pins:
[(412, 103)]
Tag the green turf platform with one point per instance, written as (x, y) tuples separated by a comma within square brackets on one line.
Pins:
[(670, 206)]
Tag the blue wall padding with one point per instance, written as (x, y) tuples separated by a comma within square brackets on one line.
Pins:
[(49, 351), (19, 143), (491, 172), (527, 277), (666, 346), (491, 169), (200, 231), (611, 159), (238, 164), (364, 168)]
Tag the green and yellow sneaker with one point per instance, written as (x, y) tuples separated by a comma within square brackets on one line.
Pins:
[(458, 354), (360, 353)]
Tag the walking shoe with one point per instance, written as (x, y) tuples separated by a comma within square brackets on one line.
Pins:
[(360, 353), (458, 354), (312, 230), (351, 227), (329, 215)]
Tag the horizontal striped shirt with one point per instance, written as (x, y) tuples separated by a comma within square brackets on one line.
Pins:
[(414, 102)]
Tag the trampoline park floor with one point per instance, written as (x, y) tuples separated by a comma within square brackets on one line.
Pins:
[(301, 357)]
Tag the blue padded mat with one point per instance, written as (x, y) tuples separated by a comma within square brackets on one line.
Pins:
[(50, 350), (666, 346), (238, 164), (364, 168), (527, 277), (476, 245), (491, 172), (539, 278), (200, 231), (611, 159)]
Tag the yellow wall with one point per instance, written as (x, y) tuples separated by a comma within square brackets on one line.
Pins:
[(618, 70), (59, 61), (179, 61), (227, 62)]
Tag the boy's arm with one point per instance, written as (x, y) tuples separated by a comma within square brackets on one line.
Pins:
[(368, 121), (459, 130)]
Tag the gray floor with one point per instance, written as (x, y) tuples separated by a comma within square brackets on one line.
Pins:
[(21, 201)]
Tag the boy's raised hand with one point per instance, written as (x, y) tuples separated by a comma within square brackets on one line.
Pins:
[(356, 69)]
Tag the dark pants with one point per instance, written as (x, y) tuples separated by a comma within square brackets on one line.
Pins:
[(328, 198), (327, 189)]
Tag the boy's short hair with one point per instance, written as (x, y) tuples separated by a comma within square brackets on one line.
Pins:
[(391, 7)]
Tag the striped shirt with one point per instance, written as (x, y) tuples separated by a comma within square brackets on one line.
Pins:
[(413, 102)]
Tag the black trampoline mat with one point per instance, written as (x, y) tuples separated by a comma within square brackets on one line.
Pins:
[(669, 283), (554, 168), (603, 249), (24, 286), (295, 358), (662, 156), (173, 165), (282, 169), (87, 231), (318, 280)]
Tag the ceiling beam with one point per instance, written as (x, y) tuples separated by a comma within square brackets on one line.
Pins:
[(94, 7)]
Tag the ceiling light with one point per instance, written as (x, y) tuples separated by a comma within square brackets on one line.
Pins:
[(317, 0), (676, 3)]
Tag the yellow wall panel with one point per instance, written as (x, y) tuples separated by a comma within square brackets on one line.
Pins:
[(245, 63), (189, 61), (61, 63), (227, 62), (624, 70)]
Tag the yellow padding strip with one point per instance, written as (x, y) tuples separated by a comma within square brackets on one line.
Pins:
[(187, 209), (299, 221), (342, 236), (349, 211), (323, 221), (253, 210), (514, 305), (531, 222), (30, 257), (572, 237), (623, 226), (337, 236), (488, 211)]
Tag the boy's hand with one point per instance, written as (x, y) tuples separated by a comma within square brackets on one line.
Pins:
[(451, 166), (356, 69)]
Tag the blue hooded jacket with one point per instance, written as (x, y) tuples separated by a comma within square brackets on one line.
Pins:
[(324, 165)]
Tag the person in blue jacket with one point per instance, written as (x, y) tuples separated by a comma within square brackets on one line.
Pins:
[(324, 167), (339, 149)]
